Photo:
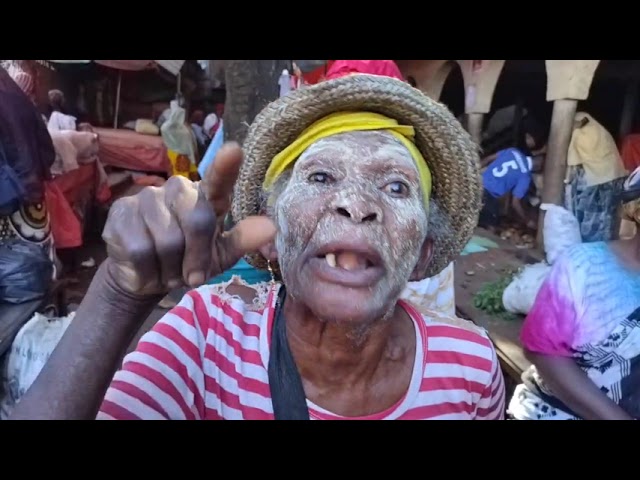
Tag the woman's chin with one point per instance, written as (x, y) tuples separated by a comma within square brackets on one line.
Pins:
[(342, 304)]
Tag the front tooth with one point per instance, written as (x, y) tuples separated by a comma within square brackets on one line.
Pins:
[(331, 259)]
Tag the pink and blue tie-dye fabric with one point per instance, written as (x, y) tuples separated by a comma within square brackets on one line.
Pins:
[(587, 295)]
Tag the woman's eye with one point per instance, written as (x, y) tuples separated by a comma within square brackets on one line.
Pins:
[(397, 189), (320, 177)]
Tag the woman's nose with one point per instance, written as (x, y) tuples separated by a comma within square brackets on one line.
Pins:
[(359, 210)]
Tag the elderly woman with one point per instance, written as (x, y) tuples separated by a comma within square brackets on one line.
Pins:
[(348, 190), (583, 333)]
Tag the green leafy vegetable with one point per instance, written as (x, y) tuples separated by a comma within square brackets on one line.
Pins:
[(489, 297)]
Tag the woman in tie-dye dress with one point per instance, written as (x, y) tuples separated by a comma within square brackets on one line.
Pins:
[(583, 333)]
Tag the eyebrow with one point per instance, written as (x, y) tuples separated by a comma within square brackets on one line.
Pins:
[(327, 157), (382, 168)]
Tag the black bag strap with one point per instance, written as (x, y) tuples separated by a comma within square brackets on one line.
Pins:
[(285, 383)]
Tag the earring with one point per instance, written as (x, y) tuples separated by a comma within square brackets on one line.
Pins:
[(273, 275)]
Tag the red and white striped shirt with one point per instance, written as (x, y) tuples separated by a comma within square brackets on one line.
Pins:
[(208, 357)]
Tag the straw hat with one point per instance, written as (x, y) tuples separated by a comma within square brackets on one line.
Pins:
[(452, 155)]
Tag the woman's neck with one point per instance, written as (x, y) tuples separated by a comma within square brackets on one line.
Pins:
[(338, 353)]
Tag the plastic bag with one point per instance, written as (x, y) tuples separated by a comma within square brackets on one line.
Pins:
[(433, 294), (561, 230), (29, 352), (25, 272), (521, 293), (176, 135)]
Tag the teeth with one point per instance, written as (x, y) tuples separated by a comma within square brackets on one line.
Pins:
[(331, 259)]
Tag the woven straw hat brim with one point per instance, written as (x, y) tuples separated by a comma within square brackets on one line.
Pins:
[(452, 155)]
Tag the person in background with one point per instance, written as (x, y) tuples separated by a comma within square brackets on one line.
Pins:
[(297, 79), (594, 178), (197, 122), (25, 78), (210, 126), (583, 333), (57, 101), (59, 119), (510, 172)]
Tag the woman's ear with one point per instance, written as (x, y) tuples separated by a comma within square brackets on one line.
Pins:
[(426, 255)]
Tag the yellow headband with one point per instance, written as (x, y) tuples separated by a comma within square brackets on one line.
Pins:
[(350, 122)]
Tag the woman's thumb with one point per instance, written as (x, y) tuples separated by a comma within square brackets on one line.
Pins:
[(247, 236)]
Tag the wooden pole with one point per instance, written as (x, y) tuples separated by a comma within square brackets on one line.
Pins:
[(115, 117), (474, 126), (628, 109), (555, 165)]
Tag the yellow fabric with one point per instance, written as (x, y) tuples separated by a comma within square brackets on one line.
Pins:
[(593, 147), (181, 165), (342, 122)]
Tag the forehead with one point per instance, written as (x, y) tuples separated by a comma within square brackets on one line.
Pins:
[(366, 147)]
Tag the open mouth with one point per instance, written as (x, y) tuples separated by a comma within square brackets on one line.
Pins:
[(348, 265), (347, 260)]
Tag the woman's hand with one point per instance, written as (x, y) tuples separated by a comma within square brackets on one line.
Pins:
[(169, 236)]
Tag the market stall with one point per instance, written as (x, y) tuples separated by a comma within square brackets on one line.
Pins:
[(125, 148), (74, 189)]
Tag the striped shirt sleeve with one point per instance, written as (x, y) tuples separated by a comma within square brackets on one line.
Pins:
[(163, 378), (492, 402)]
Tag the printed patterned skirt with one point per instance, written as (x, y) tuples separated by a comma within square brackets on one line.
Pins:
[(30, 223)]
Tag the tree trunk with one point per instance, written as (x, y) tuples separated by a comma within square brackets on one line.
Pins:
[(250, 86)]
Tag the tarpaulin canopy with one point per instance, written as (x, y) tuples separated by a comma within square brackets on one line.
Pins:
[(172, 66)]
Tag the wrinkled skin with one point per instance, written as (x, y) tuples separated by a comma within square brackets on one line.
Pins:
[(360, 187)]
